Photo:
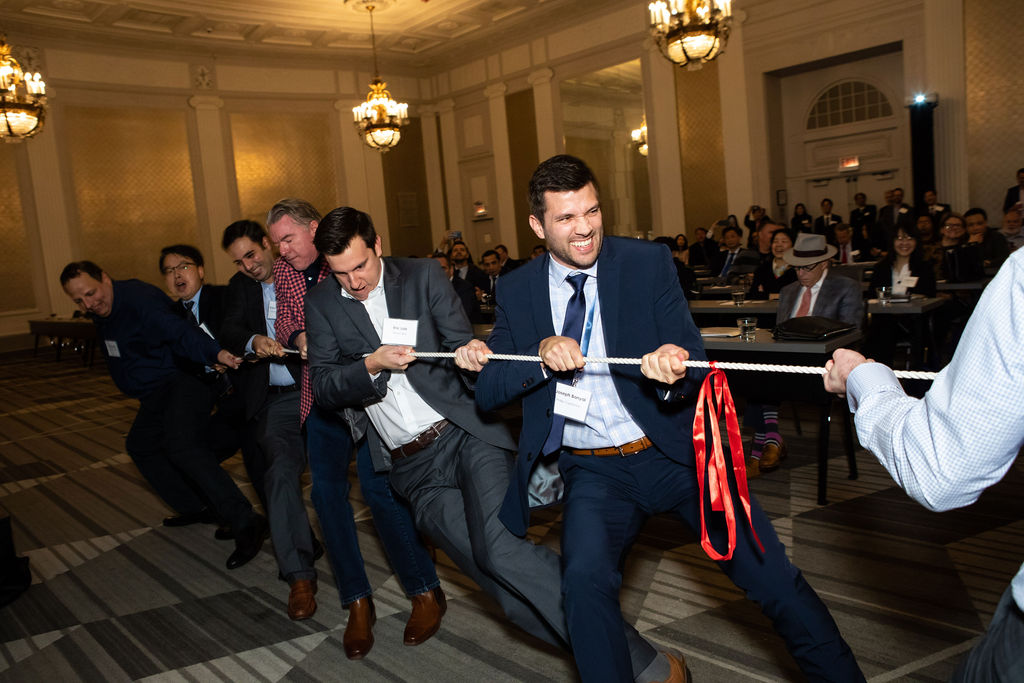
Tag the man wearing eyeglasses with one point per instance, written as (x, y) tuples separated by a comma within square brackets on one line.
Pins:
[(816, 292)]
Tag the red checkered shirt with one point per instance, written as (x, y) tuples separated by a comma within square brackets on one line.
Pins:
[(290, 289)]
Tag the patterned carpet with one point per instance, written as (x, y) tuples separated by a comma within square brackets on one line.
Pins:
[(118, 597)]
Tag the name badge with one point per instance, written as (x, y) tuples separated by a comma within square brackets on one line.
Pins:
[(400, 332), (571, 402), (903, 209), (855, 252), (909, 281), (112, 349), (272, 310)]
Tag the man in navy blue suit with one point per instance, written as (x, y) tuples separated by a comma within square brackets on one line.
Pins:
[(628, 452)]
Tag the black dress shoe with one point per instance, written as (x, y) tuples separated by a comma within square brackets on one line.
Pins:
[(204, 516), (224, 533), (248, 542)]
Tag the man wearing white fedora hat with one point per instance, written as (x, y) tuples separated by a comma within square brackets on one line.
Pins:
[(816, 292)]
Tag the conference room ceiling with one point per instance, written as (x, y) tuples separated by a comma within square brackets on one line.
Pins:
[(409, 32)]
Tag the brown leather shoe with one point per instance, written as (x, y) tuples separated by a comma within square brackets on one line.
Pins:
[(772, 456), (678, 671), (301, 603), (427, 610), (359, 632)]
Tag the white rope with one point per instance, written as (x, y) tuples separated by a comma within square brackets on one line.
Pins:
[(723, 365)]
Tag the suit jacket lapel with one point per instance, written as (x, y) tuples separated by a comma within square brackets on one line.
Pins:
[(539, 292), (609, 284), (356, 312), (393, 289)]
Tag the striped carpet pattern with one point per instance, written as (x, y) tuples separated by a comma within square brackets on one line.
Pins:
[(118, 597)]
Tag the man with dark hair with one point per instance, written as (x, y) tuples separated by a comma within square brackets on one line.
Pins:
[(462, 263), (932, 207), (507, 264), (986, 244), (538, 250), (734, 260), (866, 235), (895, 215), (450, 461), (621, 465), (826, 223), (464, 290), (143, 340), (270, 392), (292, 223), (491, 265)]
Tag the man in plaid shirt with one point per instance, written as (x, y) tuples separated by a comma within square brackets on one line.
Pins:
[(291, 224)]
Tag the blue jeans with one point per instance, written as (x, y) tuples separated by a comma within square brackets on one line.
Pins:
[(329, 444)]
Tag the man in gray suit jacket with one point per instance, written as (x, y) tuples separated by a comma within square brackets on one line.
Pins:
[(449, 460), (817, 291)]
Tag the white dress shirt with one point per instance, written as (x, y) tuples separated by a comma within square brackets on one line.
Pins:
[(962, 437), (815, 290), (401, 415), (279, 375)]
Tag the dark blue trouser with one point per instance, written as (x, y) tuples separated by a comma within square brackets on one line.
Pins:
[(329, 445), (999, 655), (607, 501)]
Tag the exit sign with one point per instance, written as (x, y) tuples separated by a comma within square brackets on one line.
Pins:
[(849, 163)]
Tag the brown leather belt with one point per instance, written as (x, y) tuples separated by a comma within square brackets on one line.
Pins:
[(424, 439), (625, 449)]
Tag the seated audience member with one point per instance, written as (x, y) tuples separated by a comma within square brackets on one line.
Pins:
[(815, 292), (270, 392), (958, 263), (866, 235), (753, 221), (929, 242), (932, 207), (466, 292), (508, 264), (538, 250), (731, 220), (905, 271), (1011, 229), (774, 274), (687, 278), (826, 223), (734, 259), (1015, 195), (704, 252), (895, 214), (490, 263), (143, 340), (801, 220), (682, 248), (992, 245), (763, 240), (847, 252)]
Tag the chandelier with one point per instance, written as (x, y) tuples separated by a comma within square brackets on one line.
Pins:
[(691, 32), (379, 119), (22, 98), (640, 137)]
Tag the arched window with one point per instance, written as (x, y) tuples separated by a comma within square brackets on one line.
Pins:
[(848, 102)]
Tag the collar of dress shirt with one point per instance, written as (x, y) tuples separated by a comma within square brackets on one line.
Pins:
[(557, 273), (195, 302)]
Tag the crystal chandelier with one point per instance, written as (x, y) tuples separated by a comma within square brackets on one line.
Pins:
[(640, 137), (379, 119), (22, 98), (691, 32)]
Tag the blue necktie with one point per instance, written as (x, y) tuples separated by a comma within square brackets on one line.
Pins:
[(572, 326), (728, 264)]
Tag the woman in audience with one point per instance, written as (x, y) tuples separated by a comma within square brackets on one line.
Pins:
[(959, 264), (801, 221), (773, 274), (682, 250), (905, 271)]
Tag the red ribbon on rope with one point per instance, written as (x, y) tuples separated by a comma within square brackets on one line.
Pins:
[(713, 471)]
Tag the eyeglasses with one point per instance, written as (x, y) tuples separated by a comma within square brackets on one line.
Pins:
[(952, 226), (180, 268), (807, 269)]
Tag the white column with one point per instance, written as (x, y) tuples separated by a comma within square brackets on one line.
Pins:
[(502, 164), (216, 175), (364, 174), (452, 178), (665, 171), (52, 199), (435, 182), (946, 74), (736, 139), (545, 110), (622, 179)]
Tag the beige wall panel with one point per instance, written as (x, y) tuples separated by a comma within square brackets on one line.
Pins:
[(995, 101), (598, 154), (132, 186), (260, 79), (16, 256), (282, 155), (405, 186), (604, 29), (468, 75), (474, 130), (701, 149), (516, 59), (119, 70)]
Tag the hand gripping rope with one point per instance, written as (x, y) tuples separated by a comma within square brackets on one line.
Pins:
[(713, 402)]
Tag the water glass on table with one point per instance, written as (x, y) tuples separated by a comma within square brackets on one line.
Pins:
[(884, 295), (747, 327), (738, 297)]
